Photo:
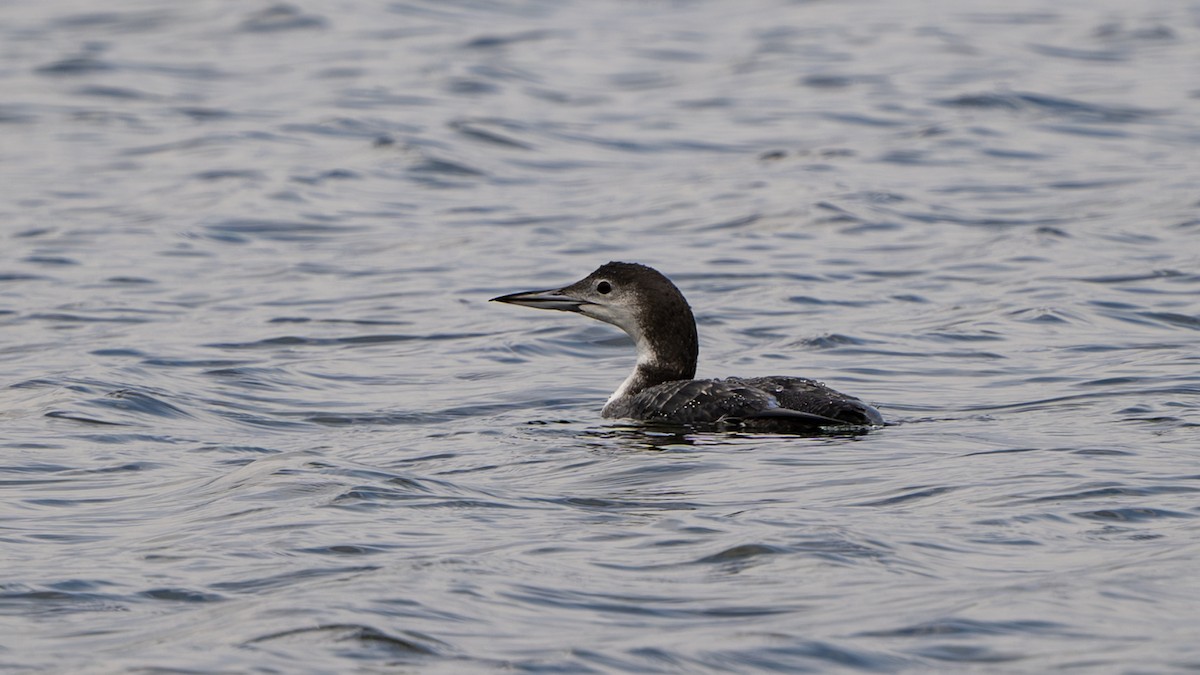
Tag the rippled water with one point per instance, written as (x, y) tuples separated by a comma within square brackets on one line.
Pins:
[(257, 415)]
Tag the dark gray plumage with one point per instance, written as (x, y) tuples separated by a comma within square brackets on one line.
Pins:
[(647, 306)]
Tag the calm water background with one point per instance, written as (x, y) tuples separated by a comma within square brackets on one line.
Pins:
[(257, 416)]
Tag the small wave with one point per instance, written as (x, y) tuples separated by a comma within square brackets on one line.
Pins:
[(1041, 103), (959, 626), (909, 495), (281, 17), (241, 230), (76, 65), (180, 595), (299, 340), (1132, 514), (367, 641)]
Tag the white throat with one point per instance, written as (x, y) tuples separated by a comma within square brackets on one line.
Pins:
[(645, 358)]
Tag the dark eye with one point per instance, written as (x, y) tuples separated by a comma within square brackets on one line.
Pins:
[(604, 288)]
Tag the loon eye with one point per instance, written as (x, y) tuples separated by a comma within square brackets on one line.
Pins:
[(604, 288)]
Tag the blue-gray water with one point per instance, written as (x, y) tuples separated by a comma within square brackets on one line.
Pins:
[(256, 414)]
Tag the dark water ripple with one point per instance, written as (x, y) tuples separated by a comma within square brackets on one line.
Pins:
[(258, 416)]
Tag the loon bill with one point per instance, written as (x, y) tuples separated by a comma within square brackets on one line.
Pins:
[(650, 309)]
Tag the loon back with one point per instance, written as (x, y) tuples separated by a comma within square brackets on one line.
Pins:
[(776, 402), (650, 309)]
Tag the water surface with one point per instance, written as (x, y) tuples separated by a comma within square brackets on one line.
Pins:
[(258, 416)]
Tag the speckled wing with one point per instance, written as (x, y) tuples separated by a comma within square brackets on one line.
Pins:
[(810, 396), (776, 402), (697, 401)]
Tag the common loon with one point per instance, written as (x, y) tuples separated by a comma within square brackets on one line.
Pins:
[(650, 309)]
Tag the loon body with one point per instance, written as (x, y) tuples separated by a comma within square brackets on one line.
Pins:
[(650, 309)]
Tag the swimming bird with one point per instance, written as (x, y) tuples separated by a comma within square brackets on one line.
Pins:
[(650, 309)]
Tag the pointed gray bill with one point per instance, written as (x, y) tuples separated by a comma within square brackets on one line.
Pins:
[(554, 299)]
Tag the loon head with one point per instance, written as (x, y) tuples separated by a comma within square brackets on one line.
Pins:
[(640, 301)]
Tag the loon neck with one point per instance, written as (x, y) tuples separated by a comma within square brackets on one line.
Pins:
[(667, 344)]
